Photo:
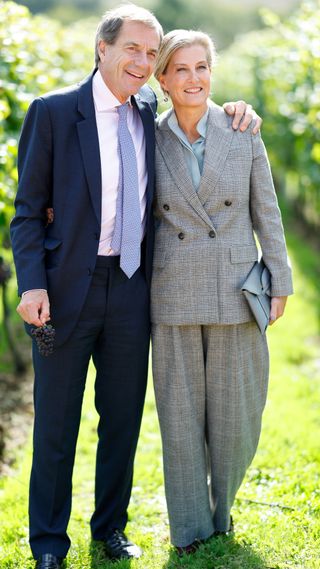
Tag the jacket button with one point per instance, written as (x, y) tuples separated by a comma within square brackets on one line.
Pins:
[(89, 272), (227, 202), (166, 207), (181, 235), (212, 234)]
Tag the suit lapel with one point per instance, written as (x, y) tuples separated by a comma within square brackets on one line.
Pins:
[(89, 144), (218, 141), (172, 154), (147, 118)]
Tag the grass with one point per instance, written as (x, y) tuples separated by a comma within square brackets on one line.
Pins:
[(277, 510)]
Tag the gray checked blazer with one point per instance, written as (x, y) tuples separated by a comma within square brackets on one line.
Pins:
[(205, 241)]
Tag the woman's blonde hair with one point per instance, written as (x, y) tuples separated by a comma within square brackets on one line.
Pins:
[(182, 38)]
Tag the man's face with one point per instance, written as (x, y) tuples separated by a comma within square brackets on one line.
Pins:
[(128, 63)]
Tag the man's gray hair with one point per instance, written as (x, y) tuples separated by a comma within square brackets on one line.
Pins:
[(111, 23)]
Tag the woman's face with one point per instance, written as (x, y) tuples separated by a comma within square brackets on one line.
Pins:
[(188, 77)]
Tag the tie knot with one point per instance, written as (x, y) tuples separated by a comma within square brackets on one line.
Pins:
[(123, 111)]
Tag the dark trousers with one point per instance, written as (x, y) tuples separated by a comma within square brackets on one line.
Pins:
[(114, 329)]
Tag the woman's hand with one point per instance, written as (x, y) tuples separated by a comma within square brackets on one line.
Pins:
[(278, 304), (241, 110)]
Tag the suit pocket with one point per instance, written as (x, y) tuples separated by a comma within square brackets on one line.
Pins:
[(51, 243), (243, 254), (52, 246)]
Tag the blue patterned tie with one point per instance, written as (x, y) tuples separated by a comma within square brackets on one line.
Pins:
[(127, 231)]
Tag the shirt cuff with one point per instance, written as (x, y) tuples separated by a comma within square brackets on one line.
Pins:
[(33, 290)]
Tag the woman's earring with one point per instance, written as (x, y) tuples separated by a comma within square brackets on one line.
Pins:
[(165, 98)]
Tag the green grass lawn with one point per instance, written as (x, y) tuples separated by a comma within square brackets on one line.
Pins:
[(277, 511)]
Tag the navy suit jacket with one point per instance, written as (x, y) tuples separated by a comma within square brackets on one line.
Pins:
[(59, 167)]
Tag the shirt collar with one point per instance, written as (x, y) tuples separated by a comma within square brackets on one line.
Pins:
[(201, 126), (104, 99)]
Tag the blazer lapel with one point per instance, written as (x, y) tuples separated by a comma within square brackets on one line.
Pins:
[(147, 118), (218, 141), (172, 154), (89, 144)]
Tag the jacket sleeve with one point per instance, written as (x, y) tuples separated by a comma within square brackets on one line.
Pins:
[(33, 197), (266, 219)]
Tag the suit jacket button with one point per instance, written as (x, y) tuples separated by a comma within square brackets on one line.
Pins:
[(227, 202), (166, 207), (181, 235), (212, 234)]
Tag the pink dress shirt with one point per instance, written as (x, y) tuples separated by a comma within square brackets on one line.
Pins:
[(107, 124)]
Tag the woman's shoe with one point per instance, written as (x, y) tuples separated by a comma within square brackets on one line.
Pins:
[(188, 549)]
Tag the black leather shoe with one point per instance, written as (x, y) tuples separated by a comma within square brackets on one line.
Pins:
[(49, 561), (117, 546)]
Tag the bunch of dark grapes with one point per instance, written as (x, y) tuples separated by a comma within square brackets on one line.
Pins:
[(44, 337)]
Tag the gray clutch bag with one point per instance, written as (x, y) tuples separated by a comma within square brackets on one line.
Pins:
[(256, 289)]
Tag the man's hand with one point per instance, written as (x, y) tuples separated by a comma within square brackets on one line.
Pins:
[(34, 307), (278, 304), (240, 110)]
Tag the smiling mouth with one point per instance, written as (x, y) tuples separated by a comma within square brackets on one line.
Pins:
[(193, 90), (135, 75)]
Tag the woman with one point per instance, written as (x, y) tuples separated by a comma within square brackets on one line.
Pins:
[(210, 361)]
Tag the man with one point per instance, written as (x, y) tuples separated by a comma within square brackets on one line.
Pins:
[(87, 152)]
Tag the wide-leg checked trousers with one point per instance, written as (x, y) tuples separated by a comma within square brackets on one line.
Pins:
[(210, 386)]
